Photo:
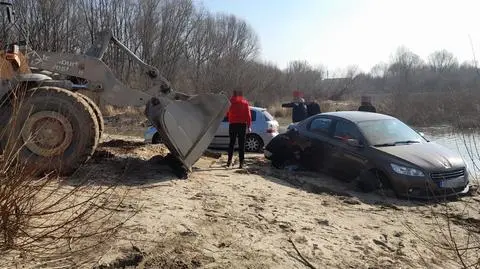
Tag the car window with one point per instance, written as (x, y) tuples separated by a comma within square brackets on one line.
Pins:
[(346, 130), (253, 113), (268, 116), (320, 125)]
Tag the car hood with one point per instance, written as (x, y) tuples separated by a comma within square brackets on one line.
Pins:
[(430, 156)]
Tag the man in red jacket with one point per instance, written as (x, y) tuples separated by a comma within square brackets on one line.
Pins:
[(240, 121)]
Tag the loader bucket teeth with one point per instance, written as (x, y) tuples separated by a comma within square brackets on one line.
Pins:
[(188, 126)]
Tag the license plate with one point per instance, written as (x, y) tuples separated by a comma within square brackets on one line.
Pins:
[(453, 183)]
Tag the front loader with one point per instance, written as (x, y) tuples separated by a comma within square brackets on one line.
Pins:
[(55, 128)]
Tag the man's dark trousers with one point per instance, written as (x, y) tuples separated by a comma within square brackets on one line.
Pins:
[(237, 130)]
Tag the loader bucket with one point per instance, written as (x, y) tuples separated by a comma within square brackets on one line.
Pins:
[(187, 127)]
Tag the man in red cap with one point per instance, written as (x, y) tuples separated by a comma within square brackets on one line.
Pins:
[(299, 107), (240, 121)]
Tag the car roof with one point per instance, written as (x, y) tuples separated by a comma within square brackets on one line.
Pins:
[(357, 116), (257, 108)]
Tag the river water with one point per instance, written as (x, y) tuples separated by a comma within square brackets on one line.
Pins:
[(466, 143)]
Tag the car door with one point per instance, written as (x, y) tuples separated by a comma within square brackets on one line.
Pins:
[(318, 132), (350, 159), (255, 123), (221, 137)]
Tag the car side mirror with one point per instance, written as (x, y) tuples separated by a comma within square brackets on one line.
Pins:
[(354, 143), (293, 130)]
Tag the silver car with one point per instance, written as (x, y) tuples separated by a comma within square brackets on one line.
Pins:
[(264, 128)]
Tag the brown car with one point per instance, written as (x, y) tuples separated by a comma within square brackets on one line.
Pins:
[(380, 150)]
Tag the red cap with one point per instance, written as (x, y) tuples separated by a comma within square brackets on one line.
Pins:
[(297, 93)]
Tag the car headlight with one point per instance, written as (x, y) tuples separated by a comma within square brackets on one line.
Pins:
[(402, 170)]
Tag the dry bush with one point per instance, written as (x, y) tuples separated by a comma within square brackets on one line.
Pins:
[(456, 237), (109, 110), (460, 109), (330, 106), (48, 216), (457, 221), (279, 112)]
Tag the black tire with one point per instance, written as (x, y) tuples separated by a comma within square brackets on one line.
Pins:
[(98, 114), (253, 143), (368, 181), (79, 140), (375, 180), (156, 139)]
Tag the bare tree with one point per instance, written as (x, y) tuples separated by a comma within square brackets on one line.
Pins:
[(236, 44), (442, 61), (202, 47), (200, 51), (404, 62), (344, 85), (175, 17), (302, 76), (379, 70)]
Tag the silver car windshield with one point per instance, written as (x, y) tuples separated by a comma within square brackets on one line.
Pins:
[(389, 132)]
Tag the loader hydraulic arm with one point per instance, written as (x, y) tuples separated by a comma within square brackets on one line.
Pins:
[(100, 77), (101, 44)]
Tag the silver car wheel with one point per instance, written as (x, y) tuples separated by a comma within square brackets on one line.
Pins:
[(252, 143)]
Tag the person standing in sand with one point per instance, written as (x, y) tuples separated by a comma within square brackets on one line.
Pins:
[(240, 121), (366, 105)]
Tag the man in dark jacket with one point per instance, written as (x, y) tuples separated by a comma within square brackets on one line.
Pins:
[(240, 121), (299, 109), (313, 108), (366, 105)]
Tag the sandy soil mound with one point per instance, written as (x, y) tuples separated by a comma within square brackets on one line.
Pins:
[(261, 217)]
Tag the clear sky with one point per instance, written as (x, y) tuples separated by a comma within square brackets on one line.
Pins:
[(338, 33)]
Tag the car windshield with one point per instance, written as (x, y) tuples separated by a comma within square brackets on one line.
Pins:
[(389, 132)]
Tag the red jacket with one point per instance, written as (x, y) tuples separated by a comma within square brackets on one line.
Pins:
[(239, 111)]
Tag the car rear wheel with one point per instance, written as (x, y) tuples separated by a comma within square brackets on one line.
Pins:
[(253, 143)]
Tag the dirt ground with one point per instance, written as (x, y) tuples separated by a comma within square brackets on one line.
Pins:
[(260, 217)]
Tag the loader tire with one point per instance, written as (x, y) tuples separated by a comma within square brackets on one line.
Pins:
[(56, 131), (98, 115)]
